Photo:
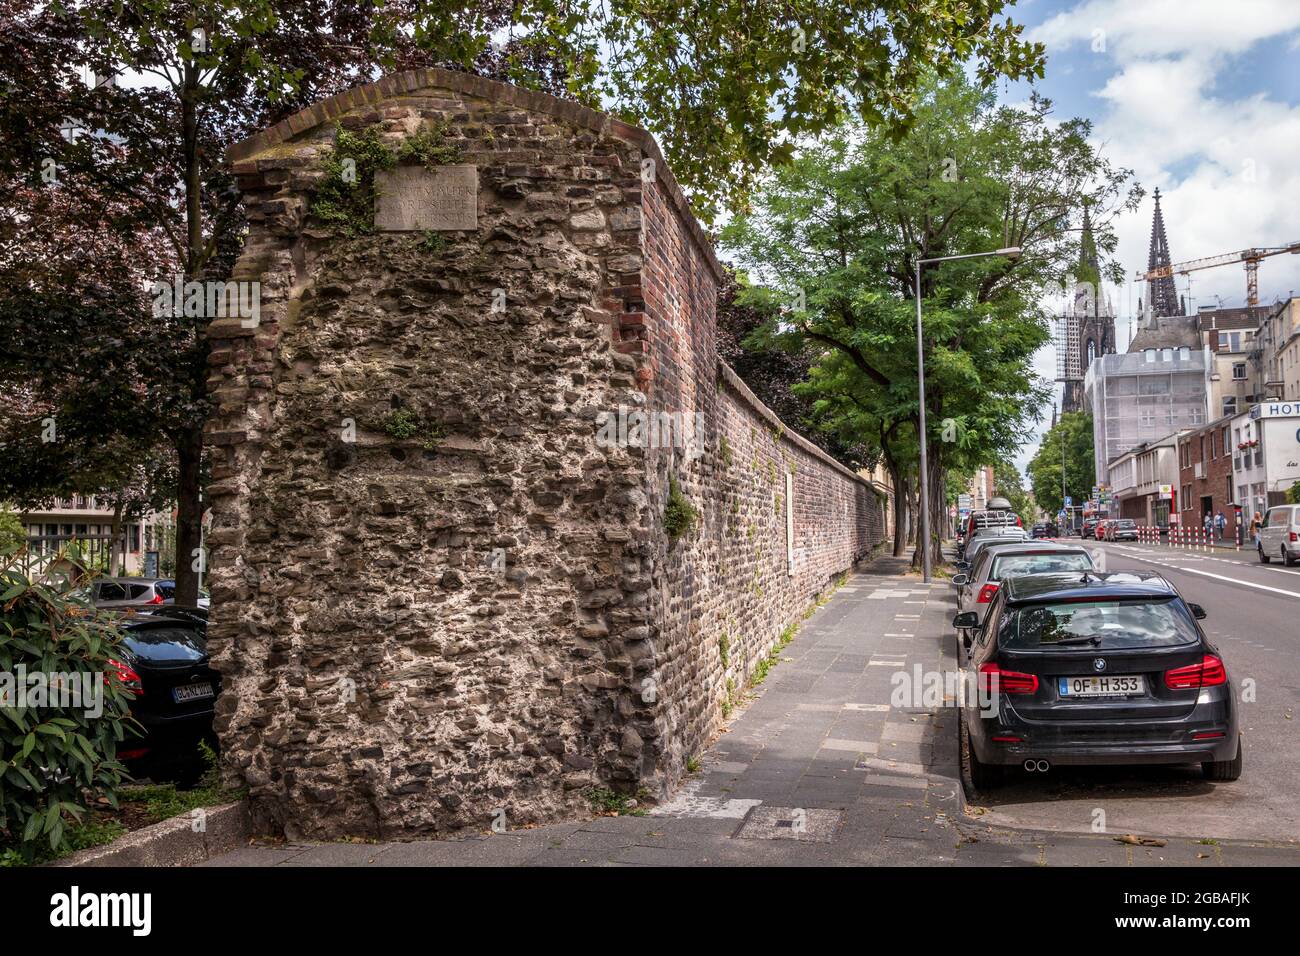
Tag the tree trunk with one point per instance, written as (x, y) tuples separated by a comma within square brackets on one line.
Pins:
[(899, 484), (189, 518), (935, 495)]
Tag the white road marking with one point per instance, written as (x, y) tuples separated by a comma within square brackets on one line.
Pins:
[(1220, 577)]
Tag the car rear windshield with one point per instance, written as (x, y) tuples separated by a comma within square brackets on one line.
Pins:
[(1142, 622), (1126, 523), (1007, 565)]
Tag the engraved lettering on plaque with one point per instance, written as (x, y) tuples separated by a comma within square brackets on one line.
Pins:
[(416, 199)]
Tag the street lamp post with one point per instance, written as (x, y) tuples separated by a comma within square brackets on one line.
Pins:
[(924, 538)]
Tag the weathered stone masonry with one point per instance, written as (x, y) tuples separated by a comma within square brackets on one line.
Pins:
[(480, 611)]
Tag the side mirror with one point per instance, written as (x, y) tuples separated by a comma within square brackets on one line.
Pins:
[(959, 580), (965, 620), (1198, 612)]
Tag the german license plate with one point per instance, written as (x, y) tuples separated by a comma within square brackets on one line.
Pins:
[(190, 692), (1109, 686)]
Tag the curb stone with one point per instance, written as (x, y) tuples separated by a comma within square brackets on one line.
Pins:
[(172, 842)]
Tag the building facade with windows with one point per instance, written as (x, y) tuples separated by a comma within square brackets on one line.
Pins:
[(1206, 477), (1229, 334), (1142, 396), (1276, 359), (1138, 478), (89, 520), (1265, 443)]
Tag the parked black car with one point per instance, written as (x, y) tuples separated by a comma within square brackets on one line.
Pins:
[(1045, 529), (1096, 669), (163, 661)]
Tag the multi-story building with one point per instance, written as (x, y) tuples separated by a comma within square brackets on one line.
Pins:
[(1275, 360), (1143, 395), (89, 520), (1265, 444), (1206, 482), (1142, 480), (1229, 334)]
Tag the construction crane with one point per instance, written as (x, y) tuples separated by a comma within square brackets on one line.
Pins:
[(1249, 256)]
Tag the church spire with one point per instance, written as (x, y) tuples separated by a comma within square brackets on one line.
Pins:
[(1162, 297)]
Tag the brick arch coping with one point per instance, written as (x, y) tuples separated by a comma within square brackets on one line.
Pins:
[(410, 81)]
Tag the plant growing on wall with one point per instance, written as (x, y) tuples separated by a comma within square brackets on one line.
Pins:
[(345, 198), (679, 514)]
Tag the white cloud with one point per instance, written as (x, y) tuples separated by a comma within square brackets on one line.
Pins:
[(1156, 28), (1226, 165)]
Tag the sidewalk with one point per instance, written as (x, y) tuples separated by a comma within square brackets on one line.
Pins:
[(819, 769)]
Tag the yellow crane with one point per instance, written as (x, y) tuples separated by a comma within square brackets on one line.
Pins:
[(1250, 257)]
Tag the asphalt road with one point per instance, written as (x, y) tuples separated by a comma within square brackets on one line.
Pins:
[(1253, 614)]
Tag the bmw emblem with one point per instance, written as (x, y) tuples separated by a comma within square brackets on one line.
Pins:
[(1099, 664)]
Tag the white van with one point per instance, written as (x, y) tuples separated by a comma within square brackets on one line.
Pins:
[(1280, 536)]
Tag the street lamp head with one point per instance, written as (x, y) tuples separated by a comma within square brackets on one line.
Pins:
[(1011, 252)]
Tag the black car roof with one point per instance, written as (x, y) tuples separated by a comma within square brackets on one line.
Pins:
[(1087, 586)]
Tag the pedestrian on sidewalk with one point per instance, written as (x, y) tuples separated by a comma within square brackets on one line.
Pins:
[(1256, 523), (1221, 523), (1208, 524)]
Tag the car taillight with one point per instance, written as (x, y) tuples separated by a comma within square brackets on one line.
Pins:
[(129, 678), (156, 599), (1207, 673), (986, 593), (993, 679), (1294, 536), (1018, 522)]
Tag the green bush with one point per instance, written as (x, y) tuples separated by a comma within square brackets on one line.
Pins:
[(56, 753), (345, 198)]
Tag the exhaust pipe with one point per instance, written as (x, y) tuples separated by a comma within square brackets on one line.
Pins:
[(1039, 766)]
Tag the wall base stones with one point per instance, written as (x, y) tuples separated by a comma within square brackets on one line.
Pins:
[(443, 596)]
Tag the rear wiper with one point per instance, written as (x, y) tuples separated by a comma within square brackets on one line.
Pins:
[(1075, 640)]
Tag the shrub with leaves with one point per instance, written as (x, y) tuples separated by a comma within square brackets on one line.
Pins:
[(345, 198), (56, 753)]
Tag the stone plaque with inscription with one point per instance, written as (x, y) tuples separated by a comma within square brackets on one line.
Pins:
[(415, 199)]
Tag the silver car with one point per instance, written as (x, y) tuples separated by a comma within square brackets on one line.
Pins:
[(1280, 536), (985, 536), (121, 592), (977, 588)]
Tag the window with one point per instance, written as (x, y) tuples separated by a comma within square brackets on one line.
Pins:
[(1184, 354), (1149, 354), (1103, 624), (110, 591), (1234, 341), (1230, 404), (1238, 371), (1227, 489)]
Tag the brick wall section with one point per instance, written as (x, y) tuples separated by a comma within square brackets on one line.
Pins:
[(1217, 482), (418, 634)]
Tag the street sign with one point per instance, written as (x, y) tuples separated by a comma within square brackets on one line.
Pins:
[(1069, 501)]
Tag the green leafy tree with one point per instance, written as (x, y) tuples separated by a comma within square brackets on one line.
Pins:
[(1068, 445), (12, 534), (1007, 482), (726, 86), (834, 237)]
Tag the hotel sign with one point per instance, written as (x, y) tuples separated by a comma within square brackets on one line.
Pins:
[(1275, 410)]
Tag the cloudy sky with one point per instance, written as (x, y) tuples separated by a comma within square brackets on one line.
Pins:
[(1200, 98)]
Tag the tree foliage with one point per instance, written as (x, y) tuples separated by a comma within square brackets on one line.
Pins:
[(1067, 445), (835, 237)]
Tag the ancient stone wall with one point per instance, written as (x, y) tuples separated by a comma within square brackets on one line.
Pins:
[(443, 591)]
